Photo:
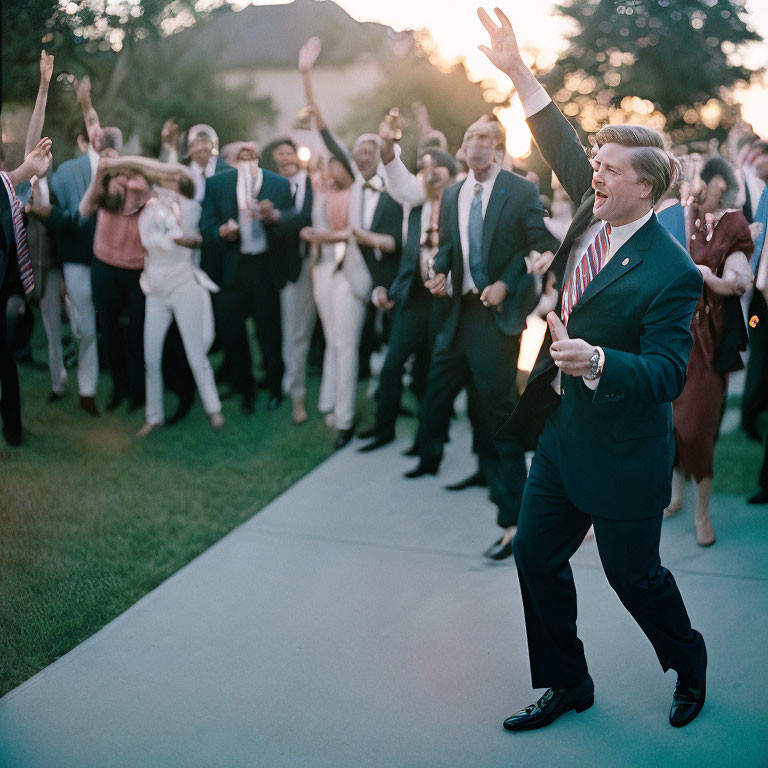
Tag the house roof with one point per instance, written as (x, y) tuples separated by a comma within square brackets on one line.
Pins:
[(269, 36)]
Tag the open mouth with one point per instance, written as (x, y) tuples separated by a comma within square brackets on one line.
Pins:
[(600, 198)]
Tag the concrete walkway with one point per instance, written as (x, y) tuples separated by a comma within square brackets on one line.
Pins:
[(353, 623)]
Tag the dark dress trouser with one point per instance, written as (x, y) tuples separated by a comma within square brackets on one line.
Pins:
[(252, 294), (549, 532), (117, 293), (483, 354), (414, 329), (755, 397), (10, 399)]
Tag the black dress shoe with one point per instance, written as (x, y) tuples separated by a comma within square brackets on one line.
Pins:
[(88, 404), (426, 467), (246, 407), (751, 432), (274, 402), (135, 404), (761, 497), (367, 434), (473, 481), (499, 551), (182, 409), (12, 436), (54, 397), (413, 450), (689, 695), (377, 443), (343, 436), (551, 705), (114, 402)]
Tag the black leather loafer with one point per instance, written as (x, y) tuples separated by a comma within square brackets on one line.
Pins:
[(425, 467), (687, 701), (343, 436), (499, 551), (473, 481), (376, 443), (551, 705)]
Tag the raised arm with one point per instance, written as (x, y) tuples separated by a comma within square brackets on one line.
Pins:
[(35, 130), (307, 58), (402, 185), (554, 135), (90, 116)]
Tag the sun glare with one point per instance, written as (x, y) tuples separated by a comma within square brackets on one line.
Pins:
[(518, 134)]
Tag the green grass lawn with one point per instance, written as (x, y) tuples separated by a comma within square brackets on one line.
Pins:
[(92, 518)]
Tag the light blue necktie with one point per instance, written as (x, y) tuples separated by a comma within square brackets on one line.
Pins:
[(762, 216), (476, 267)]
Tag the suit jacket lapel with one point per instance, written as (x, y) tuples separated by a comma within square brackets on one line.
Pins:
[(379, 212), (458, 262)]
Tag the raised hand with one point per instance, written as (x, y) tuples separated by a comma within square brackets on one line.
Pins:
[(39, 159), (82, 86), (46, 68), (504, 52), (309, 53)]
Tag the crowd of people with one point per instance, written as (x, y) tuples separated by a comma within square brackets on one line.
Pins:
[(157, 262)]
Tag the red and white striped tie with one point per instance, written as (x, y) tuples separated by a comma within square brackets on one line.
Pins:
[(20, 233), (589, 265)]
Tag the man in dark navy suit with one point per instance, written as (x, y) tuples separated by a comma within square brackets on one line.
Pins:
[(244, 257), (598, 405)]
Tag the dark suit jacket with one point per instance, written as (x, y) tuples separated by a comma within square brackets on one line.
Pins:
[(409, 270), (387, 220), (221, 257), (616, 445), (7, 235), (290, 226), (73, 237), (513, 226)]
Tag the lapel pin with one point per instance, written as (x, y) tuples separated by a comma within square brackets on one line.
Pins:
[(625, 262)]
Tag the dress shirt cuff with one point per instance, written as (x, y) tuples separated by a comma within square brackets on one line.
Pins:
[(534, 101), (593, 383)]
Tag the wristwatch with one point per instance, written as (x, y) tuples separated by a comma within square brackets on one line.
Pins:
[(595, 365)]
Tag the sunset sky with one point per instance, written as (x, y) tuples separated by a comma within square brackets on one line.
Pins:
[(456, 30)]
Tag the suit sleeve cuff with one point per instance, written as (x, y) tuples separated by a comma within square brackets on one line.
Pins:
[(535, 101)]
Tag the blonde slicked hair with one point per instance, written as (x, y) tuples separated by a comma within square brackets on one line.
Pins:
[(650, 161)]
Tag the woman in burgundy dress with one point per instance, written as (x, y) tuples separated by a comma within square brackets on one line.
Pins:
[(720, 244)]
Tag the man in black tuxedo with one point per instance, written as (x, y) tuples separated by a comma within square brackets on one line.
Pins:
[(244, 257), (489, 223), (599, 401)]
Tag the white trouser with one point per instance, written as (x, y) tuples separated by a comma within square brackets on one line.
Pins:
[(77, 279), (342, 315), (297, 308), (187, 304), (50, 309)]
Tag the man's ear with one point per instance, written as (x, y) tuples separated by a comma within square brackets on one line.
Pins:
[(646, 189)]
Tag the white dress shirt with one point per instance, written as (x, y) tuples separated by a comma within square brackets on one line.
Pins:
[(93, 156), (200, 174), (466, 195), (298, 189)]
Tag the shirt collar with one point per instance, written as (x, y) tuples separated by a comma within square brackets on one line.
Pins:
[(620, 234), (489, 182)]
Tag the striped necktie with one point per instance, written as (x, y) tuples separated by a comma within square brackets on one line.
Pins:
[(20, 234), (589, 265)]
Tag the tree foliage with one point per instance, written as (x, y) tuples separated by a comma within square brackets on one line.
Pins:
[(137, 78), (664, 62)]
